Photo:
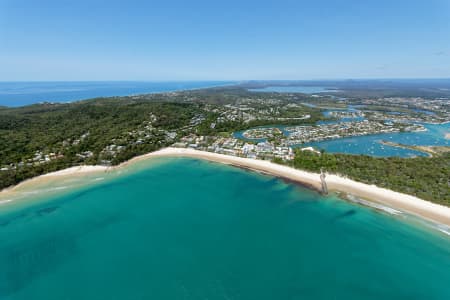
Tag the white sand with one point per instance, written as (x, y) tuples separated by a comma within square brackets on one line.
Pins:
[(395, 200), (53, 182), (77, 170)]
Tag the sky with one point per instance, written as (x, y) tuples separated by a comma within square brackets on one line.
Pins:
[(223, 40)]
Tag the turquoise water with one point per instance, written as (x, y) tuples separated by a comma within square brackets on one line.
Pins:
[(25, 93), (370, 144), (367, 145), (188, 229)]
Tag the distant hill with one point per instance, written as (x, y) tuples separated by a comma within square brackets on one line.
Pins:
[(367, 88)]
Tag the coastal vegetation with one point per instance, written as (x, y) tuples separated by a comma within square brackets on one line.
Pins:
[(47, 137), (42, 138), (425, 177), (431, 150)]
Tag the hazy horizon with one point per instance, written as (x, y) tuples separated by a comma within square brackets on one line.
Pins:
[(240, 80)]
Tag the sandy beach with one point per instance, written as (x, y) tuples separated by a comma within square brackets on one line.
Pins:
[(398, 201)]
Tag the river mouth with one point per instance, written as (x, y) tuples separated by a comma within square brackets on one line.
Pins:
[(435, 135)]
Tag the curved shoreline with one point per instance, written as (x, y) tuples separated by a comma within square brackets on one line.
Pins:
[(398, 201)]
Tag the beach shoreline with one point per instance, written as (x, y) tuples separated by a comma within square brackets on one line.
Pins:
[(398, 201)]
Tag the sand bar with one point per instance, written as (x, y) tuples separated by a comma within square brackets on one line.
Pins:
[(398, 201)]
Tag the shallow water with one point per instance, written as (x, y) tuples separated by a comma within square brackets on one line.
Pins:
[(189, 229), (371, 144)]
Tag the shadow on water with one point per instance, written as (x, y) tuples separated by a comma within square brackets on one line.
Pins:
[(46, 210), (27, 261), (344, 215), (38, 213), (6, 221)]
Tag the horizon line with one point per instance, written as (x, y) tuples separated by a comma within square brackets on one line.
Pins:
[(232, 80)]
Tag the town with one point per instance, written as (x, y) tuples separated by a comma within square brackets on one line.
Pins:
[(296, 135), (236, 147), (271, 125)]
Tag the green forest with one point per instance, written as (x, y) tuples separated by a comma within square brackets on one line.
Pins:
[(49, 128), (425, 177), (42, 138)]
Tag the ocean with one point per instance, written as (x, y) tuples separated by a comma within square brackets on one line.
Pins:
[(179, 228), (26, 93)]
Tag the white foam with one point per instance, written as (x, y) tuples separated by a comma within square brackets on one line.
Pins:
[(5, 201), (58, 188), (39, 191), (377, 206), (443, 228)]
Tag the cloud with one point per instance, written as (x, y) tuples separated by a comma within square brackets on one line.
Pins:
[(441, 53)]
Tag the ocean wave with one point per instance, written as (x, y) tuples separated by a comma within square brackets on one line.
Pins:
[(39, 191), (5, 201), (443, 228), (58, 188), (376, 206)]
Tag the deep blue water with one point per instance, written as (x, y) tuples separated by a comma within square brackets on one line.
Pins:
[(25, 93), (188, 229)]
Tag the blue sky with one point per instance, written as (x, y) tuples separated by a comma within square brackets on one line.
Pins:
[(237, 40)]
